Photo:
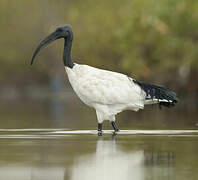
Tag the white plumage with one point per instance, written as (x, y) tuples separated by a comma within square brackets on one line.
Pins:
[(106, 91)]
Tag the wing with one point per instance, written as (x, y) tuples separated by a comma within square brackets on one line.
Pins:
[(106, 87)]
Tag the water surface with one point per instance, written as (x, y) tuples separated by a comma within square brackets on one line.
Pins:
[(71, 155), (56, 139)]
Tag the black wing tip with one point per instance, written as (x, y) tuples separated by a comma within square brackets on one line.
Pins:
[(173, 96), (176, 100), (171, 103), (160, 93)]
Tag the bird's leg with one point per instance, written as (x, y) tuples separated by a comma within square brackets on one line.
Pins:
[(99, 126), (114, 126), (99, 129)]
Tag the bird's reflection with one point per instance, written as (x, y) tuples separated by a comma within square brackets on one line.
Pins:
[(109, 162), (79, 158)]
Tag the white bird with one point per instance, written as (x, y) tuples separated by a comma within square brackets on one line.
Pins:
[(109, 93)]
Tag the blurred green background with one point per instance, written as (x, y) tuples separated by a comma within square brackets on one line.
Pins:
[(153, 41)]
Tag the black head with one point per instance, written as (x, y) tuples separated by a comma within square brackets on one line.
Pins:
[(63, 31)]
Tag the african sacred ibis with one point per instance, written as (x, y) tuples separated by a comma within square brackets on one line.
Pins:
[(109, 93)]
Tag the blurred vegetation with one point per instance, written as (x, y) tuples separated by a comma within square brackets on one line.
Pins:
[(154, 41)]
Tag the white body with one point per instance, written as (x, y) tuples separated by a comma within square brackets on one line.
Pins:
[(106, 91)]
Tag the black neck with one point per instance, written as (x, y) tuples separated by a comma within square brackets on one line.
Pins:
[(67, 52)]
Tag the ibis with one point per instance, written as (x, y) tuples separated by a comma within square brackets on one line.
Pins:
[(109, 93)]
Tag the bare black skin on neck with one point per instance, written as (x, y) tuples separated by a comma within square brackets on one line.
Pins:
[(65, 32), (67, 51)]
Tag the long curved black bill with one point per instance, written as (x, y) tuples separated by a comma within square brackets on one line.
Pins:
[(53, 36)]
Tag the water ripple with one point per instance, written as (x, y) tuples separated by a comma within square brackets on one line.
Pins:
[(59, 133)]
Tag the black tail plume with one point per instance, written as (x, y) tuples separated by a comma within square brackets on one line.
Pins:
[(159, 93)]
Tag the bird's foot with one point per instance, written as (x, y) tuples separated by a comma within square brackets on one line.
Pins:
[(99, 129), (115, 132), (99, 133)]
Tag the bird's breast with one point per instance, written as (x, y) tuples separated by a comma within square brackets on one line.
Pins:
[(78, 78)]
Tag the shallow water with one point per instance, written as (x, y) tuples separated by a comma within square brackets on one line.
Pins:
[(55, 139), (71, 155)]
